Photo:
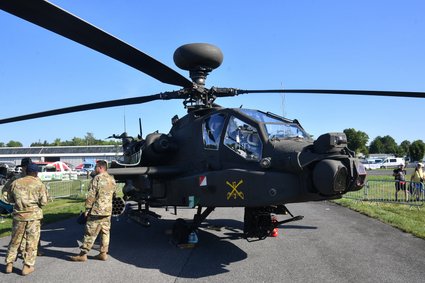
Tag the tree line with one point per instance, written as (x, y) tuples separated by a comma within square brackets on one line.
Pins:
[(88, 139), (357, 141)]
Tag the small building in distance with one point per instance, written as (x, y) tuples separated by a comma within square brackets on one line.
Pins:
[(73, 155)]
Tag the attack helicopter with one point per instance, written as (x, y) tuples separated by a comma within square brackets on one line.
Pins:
[(213, 156)]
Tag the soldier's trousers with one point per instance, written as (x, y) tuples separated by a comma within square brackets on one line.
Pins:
[(32, 231), (24, 242), (97, 225)]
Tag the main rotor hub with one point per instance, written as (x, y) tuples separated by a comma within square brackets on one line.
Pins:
[(199, 59)]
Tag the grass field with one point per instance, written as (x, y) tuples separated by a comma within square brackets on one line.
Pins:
[(380, 204), (60, 207), (56, 210), (410, 219)]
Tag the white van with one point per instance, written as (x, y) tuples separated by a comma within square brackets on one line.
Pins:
[(372, 164), (391, 162)]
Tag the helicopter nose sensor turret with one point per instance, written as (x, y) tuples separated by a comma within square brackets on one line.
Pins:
[(330, 177), (337, 173), (199, 59)]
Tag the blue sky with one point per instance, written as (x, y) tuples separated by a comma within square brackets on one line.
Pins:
[(374, 45)]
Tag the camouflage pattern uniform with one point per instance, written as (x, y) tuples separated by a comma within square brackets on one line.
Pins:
[(99, 207), (5, 191), (28, 194)]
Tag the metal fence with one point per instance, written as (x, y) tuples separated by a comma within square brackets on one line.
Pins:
[(390, 191), (375, 190), (71, 188), (62, 189)]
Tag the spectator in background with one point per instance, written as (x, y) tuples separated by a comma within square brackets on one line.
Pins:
[(417, 180), (400, 182)]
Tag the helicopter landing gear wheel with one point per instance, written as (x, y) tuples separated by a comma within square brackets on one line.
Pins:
[(260, 222), (181, 231)]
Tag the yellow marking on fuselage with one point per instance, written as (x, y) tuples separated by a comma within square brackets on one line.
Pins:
[(235, 193)]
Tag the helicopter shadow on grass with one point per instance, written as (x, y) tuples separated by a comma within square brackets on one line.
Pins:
[(153, 248)]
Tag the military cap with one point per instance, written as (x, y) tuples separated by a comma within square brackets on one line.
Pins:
[(32, 167)]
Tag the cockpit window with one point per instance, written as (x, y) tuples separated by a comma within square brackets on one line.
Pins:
[(277, 128), (243, 139), (285, 131), (211, 130)]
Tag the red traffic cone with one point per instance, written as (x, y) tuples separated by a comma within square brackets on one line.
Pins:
[(275, 231)]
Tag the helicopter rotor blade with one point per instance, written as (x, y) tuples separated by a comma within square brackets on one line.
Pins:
[(184, 93), (328, 91), (57, 20), (96, 105)]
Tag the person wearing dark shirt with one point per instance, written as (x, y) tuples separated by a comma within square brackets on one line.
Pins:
[(400, 182)]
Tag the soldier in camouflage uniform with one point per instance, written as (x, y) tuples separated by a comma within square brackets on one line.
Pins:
[(98, 212), (6, 190), (28, 194)]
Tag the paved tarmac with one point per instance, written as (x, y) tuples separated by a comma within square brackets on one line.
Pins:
[(331, 244)]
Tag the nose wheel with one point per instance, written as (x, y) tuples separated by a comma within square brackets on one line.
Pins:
[(182, 230), (259, 222)]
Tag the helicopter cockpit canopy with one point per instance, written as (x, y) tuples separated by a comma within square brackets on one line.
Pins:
[(278, 128), (212, 128), (243, 139)]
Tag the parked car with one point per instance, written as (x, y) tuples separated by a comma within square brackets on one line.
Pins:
[(9, 166), (88, 166), (7, 170), (85, 168), (3, 176), (371, 165)]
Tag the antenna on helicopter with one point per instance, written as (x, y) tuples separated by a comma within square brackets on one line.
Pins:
[(140, 128), (283, 97), (125, 123)]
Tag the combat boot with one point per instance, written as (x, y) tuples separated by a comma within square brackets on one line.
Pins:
[(81, 257), (27, 270), (102, 256), (9, 267)]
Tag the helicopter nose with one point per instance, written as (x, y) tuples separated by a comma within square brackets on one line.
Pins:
[(331, 177)]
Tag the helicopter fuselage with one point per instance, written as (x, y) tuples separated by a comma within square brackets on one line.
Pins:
[(222, 157)]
